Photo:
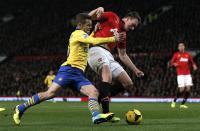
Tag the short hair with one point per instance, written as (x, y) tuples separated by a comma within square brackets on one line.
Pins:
[(134, 14), (81, 17)]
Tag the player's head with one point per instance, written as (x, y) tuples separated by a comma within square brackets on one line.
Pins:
[(131, 20), (84, 22), (51, 72), (181, 46)]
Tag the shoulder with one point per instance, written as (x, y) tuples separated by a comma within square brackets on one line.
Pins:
[(79, 33), (110, 14), (187, 53)]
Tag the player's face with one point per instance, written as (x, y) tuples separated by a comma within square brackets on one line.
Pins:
[(51, 72), (130, 24), (87, 26), (181, 47)]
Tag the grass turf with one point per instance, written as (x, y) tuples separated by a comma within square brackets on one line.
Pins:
[(65, 116)]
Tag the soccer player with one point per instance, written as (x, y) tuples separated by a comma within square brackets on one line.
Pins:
[(71, 72), (181, 61), (49, 79), (101, 60)]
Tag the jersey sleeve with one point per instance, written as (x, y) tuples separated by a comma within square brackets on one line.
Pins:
[(85, 38), (173, 60), (105, 16)]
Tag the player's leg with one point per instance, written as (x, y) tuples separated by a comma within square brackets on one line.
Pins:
[(186, 94), (188, 83), (179, 90), (126, 82), (86, 88), (61, 80), (99, 62), (34, 100)]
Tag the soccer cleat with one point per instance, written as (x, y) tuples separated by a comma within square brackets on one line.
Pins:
[(115, 119), (17, 115), (173, 105), (183, 106), (100, 118), (2, 109)]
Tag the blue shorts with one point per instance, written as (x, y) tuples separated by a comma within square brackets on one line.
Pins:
[(70, 76)]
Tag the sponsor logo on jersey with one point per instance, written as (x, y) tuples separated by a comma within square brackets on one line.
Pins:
[(184, 59)]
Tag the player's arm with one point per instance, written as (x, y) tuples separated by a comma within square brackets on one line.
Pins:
[(127, 61), (84, 38), (193, 63), (96, 13), (173, 61), (46, 80)]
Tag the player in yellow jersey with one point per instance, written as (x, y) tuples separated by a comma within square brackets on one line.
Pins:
[(71, 72), (49, 80)]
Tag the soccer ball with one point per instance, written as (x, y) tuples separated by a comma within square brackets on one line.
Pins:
[(133, 117)]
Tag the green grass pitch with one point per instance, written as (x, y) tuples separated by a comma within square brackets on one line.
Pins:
[(68, 116)]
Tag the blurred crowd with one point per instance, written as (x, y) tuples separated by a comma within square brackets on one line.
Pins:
[(40, 28)]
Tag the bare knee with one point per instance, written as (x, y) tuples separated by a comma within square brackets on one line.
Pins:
[(128, 84), (93, 93)]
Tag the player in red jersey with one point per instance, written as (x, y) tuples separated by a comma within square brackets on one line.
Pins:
[(181, 61), (101, 60)]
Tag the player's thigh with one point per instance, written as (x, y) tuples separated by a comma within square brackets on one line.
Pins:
[(188, 81), (82, 84), (181, 82), (120, 75), (89, 90), (64, 77), (97, 58)]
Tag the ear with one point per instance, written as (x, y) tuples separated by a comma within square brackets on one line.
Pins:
[(79, 25)]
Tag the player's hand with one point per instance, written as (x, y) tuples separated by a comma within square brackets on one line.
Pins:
[(97, 27), (194, 67), (119, 37), (99, 11), (139, 73), (175, 64)]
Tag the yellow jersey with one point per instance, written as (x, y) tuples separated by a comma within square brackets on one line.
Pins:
[(49, 79), (79, 43)]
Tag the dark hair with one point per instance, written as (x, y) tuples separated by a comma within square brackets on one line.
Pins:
[(134, 14), (81, 17)]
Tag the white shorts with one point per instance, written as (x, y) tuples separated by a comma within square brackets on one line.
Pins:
[(184, 80), (99, 56)]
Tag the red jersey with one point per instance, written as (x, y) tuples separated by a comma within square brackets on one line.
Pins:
[(182, 60), (110, 21)]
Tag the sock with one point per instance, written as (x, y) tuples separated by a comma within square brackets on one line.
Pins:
[(186, 95), (178, 94), (32, 101), (93, 106), (116, 88), (104, 90)]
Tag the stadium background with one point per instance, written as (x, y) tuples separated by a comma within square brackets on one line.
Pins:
[(34, 36)]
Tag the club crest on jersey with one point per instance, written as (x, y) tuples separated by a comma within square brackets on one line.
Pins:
[(114, 30), (85, 35), (184, 59)]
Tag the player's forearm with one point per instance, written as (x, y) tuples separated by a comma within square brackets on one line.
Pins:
[(97, 41), (96, 13), (127, 61)]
